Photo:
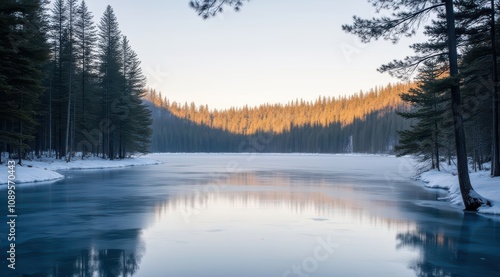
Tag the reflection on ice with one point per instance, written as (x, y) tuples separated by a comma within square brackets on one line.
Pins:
[(276, 215), (107, 262), (118, 254), (463, 249), (318, 195), (250, 228)]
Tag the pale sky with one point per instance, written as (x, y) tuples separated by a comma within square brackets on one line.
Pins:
[(272, 51)]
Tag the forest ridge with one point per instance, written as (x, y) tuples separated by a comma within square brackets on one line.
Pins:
[(280, 118), (365, 122)]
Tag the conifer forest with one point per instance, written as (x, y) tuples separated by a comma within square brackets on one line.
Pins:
[(69, 83), (73, 84), (222, 138)]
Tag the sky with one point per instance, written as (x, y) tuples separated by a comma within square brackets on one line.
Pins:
[(272, 51)]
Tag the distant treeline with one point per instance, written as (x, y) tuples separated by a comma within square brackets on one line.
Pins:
[(364, 122)]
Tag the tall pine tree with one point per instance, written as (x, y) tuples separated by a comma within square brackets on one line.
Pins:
[(85, 42), (429, 104), (136, 131), (110, 78), (23, 52)]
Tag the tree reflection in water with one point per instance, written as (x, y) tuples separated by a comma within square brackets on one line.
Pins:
[(455, 253), (104, 253), (92, 262), (108, 262), (103, 231)]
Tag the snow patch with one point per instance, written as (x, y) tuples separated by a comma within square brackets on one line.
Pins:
[(26, 174), (44, 169), (482, 183)]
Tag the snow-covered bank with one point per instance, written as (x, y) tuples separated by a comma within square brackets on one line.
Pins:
[(44, 169), (481, 181)]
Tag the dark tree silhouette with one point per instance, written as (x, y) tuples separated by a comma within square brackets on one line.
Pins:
[(23, 54), (404, 21), (209, 8), (62, 81)]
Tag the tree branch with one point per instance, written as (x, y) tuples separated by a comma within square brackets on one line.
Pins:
[(210, 8)]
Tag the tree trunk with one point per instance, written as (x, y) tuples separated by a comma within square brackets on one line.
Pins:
[(472, 200), (70, 83), (495, 158), (50, 118), (68, 119), (84, 123), (19, 149), (436, 144)]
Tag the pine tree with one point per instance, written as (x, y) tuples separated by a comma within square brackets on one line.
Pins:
[(430, 103), (495, 159), (404, 21), (135, 118), (85, 42), (24, 53), (478, 94), (110, 78), (71, 5), (58, 36)]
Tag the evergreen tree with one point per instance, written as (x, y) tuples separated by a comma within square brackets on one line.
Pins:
[(495, 160), (85, 93), (404, 21), (58, 23), (478, 93), (135, 118), (430, 104), (85, 42), (71, 4), (23, 52), (110, 78)]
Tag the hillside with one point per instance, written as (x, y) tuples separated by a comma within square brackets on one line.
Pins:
[(363, 122)]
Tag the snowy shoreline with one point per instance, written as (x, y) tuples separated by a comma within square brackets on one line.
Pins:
[(45, 169), (481, 182)]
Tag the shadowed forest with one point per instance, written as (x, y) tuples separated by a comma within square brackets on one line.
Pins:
[(364, 122)]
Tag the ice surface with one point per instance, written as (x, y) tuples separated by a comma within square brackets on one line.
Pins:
[(249, 215)]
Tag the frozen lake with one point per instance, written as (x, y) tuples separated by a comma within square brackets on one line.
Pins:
[(248, 215)]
